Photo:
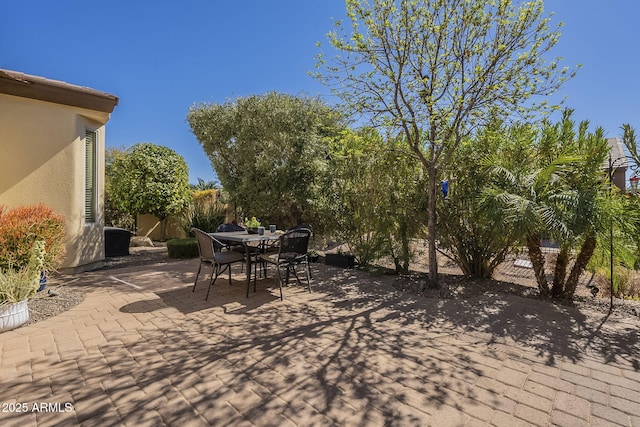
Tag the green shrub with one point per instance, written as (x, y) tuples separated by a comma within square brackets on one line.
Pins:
[(21, 227), (183, 248), (372, 198)]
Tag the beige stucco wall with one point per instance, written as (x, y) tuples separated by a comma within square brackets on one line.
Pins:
[(42, 155), (148, 225)]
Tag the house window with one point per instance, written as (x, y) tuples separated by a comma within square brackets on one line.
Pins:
[(90, 176)]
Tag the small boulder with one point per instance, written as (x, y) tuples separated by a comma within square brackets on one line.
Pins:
[(141, 241)]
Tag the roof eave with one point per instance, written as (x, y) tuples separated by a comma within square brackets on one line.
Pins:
[(34, 87)]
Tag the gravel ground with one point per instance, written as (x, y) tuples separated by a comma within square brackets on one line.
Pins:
[(52, 301), (139, 256), (457, 286)]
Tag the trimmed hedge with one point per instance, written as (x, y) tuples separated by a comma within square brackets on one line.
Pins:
[(183, 248)]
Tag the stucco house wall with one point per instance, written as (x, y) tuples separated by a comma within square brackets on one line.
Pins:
[(42, 156)]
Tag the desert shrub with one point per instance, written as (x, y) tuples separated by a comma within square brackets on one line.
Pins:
[(210, 196), (626, 282), (183, 248), (117, 218), (21, 227), (204, 212), (371, 197), (18, 284)]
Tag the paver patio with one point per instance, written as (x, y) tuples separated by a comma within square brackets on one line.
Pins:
[(143, 350)]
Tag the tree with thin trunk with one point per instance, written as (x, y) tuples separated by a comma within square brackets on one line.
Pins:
[(433, 70)]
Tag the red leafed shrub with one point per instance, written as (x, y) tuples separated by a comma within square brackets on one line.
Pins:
[(21, 226)]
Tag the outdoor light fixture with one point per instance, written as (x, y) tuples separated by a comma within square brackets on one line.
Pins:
[(633, 181)]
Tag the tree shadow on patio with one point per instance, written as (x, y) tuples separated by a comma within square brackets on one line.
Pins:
[(355, 351), (552, 330), (228, 298)]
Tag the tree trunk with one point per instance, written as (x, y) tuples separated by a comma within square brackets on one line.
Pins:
[(405, 249), (537, 261), (496, 261), (431, 227), (586, 252), (464, 263), (560, 272), (392, 253)]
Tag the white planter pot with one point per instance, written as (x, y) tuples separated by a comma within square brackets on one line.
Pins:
[(13, 315)]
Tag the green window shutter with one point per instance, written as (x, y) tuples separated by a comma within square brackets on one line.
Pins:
[(90, 193)]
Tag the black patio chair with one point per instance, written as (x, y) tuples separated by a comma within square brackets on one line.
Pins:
[(211, 254), (292, 252), (304, 226), (228, 227)]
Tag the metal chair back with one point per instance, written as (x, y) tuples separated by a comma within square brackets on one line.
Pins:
[(207, 245), (303, 226), (294, 244)]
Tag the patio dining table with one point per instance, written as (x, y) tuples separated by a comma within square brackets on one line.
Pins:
[(246, 239)]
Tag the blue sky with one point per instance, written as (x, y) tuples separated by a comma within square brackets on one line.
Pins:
[(160, 58)]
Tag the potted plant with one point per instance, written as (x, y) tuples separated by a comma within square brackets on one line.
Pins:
[(313, 256), (252, 225), (17, 286)]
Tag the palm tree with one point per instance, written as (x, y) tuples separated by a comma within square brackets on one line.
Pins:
[(205, 185), (629, 140), (559, 194), (526, 201), (587, 210)]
